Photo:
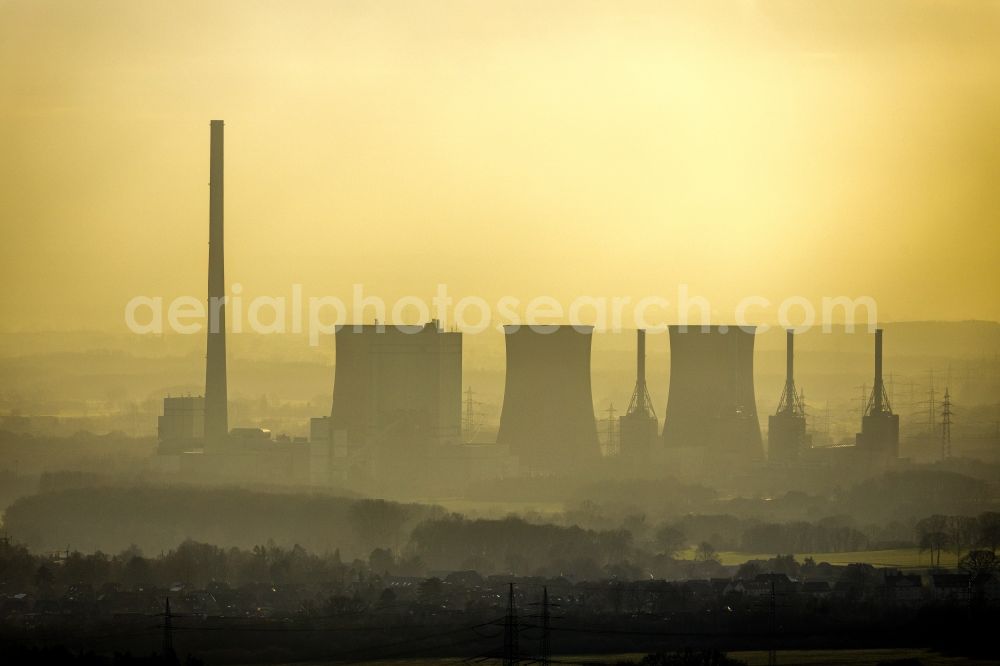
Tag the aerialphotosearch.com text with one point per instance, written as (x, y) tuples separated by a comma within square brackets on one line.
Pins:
[(322, 315)]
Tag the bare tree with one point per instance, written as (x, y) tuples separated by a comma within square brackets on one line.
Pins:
[(962, 533), (980, 565), (988, 531), (706, 553), (669, 540), (932, 536)]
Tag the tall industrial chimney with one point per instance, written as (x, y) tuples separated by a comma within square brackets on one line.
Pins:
[(879, 387), (790, 403), (216, 397), (640, 358), (789, 359), (878, 403)]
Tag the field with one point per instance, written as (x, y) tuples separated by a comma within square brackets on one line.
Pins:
[(900, 558), (491, 509)]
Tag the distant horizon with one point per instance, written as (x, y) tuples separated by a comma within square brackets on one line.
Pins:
[(860, 328)]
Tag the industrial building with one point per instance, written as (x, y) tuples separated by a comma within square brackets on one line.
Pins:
[(547, 418), (638, 428), (711, 404), (181, 427), (786, 428), (398, 384), (395, 422)]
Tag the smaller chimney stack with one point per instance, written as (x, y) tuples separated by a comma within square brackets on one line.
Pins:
[(878, 357), (640, 363), (789, 357)]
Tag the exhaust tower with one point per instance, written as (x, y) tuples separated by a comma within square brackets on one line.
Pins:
[(639, 426), (879, 434), (786, 428), (216, 394)]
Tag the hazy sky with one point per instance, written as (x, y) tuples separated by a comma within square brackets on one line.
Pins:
[(504, 148)]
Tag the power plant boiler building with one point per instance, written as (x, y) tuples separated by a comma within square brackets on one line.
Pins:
[(398, 386), (711, 404), (547, 418), (181, 427)]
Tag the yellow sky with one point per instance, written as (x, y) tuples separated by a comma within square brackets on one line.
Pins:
[(843, 147)]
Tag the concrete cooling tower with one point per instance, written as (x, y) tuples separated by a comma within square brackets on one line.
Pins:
[(711, 402), (548, 411)]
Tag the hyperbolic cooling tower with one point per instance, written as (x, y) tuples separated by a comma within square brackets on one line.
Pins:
[(548, 410), (711, 402)]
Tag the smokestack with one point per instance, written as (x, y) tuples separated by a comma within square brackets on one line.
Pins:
[(878, 389), (216, 395), (640, 402), (638, 427), (789, 358), (786, 431), (640, 362), (878, 356), (879, 426)]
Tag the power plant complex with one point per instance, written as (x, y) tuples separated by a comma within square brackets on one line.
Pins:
[(397, 403)]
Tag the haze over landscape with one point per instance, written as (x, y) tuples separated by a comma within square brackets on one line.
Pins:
[(546, 464), (767, 148)]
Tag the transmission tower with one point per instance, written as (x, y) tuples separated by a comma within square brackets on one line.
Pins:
[(510, 647), (168, 632), (931, 404), (613, 448), (545, 615), (546, 637), (470, 416), (946, 426), (863, 399), (772, 653)]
